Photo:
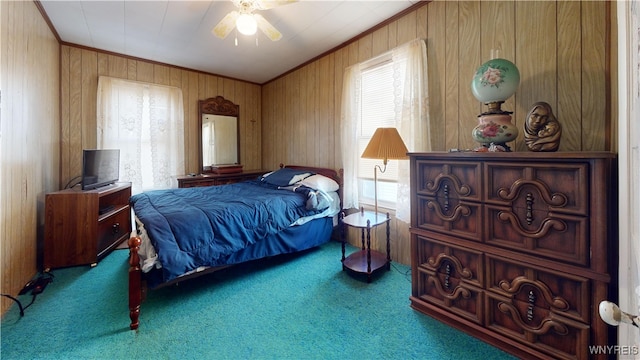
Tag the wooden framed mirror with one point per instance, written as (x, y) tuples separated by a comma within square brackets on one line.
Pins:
[(219, 139)]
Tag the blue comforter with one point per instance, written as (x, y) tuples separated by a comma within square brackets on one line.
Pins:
[(193, 227)]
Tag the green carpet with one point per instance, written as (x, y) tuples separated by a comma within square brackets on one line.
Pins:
[(298, 306)]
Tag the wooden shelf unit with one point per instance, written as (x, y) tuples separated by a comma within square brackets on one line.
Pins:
[(81, 227), (365, 261)]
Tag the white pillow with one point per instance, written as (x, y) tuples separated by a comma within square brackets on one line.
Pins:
[(320, 182)]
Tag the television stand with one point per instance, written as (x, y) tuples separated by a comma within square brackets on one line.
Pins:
[(83, 226)]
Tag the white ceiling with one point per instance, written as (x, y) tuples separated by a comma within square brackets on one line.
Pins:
[(179, 32)]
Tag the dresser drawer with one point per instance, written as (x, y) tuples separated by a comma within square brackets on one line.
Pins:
[(554, 291), (188, 184), (551, 333), (553, 235), (112, 228), (447, 276), (460, 298), (459, 217), (447, 180), (539, 188), (449, 260)]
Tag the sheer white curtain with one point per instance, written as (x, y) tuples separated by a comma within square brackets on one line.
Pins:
[(146, 122), (411, 116), (349, 119), (413, 122)]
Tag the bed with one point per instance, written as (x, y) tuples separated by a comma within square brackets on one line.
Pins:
[(188, 232)]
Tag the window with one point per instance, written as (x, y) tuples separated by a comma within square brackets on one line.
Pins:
[(390, 90), (381, 85), (145, 122)]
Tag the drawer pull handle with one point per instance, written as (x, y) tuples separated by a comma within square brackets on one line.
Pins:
[(443, 259), (115, 228), (556, 302), (447, 276), (529, 208), (456, 293), (532, 301), (446, 198)]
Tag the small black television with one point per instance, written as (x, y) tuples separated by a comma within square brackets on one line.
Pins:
[(100, 167)]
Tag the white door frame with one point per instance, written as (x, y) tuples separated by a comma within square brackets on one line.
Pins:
[(628, 16)]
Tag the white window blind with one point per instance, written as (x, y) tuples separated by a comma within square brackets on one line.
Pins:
[(381, 86)]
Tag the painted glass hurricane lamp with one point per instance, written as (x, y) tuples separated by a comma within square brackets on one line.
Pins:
[(494, 82)]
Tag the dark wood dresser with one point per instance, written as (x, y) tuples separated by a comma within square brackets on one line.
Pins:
[(517, 249), (211, 179), (83, 226)]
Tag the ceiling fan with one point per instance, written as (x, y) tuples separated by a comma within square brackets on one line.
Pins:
[(246, 21)]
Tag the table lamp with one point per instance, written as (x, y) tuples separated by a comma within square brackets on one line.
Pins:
[(494, 82), (385, 144)]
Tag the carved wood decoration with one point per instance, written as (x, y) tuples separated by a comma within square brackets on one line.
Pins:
[(219, 106), (451, 267)]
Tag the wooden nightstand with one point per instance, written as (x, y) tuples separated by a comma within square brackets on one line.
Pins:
[(365, 261)]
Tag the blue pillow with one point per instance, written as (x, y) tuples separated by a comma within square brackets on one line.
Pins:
[(286, 177)]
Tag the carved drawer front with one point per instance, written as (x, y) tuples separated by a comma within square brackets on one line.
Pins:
[(448, 198), (539, 209), (447, 276), (463, 219), (449, 181), (549, 332), (548, 309), (539, 188), (541, 288), (197, 183), (555, 236), (113, 227)]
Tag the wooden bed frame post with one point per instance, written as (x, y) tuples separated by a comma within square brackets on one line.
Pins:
[(135, 277)]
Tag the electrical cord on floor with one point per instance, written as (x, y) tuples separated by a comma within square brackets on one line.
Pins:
[(36, 286), (18, 302), (407, 274)]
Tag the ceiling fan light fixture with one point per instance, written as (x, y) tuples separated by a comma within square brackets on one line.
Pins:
[(246, 24)]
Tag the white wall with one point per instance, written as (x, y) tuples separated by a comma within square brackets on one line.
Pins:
[(629, 168)]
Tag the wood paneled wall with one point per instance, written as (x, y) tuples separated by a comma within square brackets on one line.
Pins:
[(29, 137), (561, 48), (79, 72)]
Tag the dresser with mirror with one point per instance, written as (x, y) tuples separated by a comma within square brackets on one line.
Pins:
[(219, 144)]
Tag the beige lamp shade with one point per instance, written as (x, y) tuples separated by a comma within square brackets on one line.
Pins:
[(385, 144)]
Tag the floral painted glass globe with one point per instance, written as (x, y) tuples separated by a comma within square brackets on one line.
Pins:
[(494, 82)]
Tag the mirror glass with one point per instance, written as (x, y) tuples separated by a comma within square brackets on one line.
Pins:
[(219, 133), (219, 143)]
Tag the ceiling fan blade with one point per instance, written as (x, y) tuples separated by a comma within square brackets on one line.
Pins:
[(268, 29), (270, 4), (225, 25)]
